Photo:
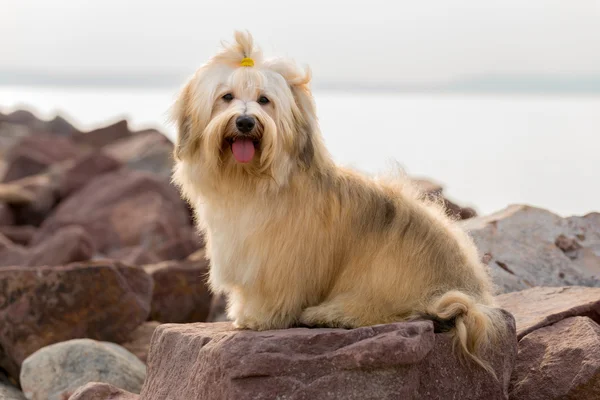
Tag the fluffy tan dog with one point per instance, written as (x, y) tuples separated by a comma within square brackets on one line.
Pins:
[(293, 238)]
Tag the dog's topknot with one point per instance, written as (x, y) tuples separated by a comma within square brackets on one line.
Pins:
[(243, 47)]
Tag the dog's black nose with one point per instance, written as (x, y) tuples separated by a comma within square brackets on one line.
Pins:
[(245, 123)]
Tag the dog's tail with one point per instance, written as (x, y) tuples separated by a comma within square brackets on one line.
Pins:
[(475, 326)]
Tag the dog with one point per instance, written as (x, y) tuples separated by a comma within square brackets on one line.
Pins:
[(292, 238)]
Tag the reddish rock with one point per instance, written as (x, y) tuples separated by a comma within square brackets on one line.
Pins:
[(102, 391), (44, 197), (21, 117), (99, 138), (180, 291), (135, 255), (45, 305), (542, 306), (33, 154), (84, 169), (122, 209), (139, 340), (395, 361), (18, 234), (218, 309), (6, 215), (149, 151), (560, 361), (67, 245), (522, 246)]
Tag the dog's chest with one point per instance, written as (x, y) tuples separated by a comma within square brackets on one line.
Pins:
[(235, 243)]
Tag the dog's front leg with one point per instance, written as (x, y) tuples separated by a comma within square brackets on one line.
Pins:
[(257, 312)]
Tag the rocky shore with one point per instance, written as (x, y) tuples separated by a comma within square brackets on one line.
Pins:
[(103, 295)]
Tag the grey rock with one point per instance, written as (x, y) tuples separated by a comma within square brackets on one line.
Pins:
[(8, 392), (55, 372), (526, 246)]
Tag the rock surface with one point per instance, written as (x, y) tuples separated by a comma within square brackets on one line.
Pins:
[(122, 209), (138, 342), (403, 360), (33, 154), (67, 245), (542, 306), (8, 392), (560, 361), (180, 291), (98, 138), (102, 391), (526, 246), (55, 372), (40, 306)]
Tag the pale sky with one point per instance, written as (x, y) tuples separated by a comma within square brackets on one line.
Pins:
[(412, 41)]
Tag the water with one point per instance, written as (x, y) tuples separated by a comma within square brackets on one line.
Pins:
[(488, 151)]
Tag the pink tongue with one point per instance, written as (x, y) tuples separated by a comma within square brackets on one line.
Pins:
[(243, 150)]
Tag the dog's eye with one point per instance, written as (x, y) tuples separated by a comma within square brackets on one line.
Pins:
[(263, 100), (228, 97)]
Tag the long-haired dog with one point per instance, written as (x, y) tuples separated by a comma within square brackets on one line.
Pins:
[(294, 239)]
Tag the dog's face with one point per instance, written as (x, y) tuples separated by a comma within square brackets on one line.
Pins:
[(251, 121)]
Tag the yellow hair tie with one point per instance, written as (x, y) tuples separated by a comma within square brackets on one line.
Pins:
[(247, 62)]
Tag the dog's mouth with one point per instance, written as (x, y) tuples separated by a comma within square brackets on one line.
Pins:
[(243, 147)]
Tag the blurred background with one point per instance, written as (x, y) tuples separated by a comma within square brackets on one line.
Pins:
[(498, 100)]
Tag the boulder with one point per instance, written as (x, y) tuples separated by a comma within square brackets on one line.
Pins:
[(122, 209), (9, 392), (218, 309), (33, 154), (40, 306), (43, 190), (98, 138), (84, 169), (6, 215), (67, 245), (148, 150), (560, 361), (538, 307), (139, 340), (18, 234), (394, 361), (55, 372), (526, 247), (102, 391), (181, 293)]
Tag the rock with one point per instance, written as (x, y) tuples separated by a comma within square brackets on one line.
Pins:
[(44, 197), (218, 309), (395, 361), (8, 392), (84, 169), (149, 151), (55, 372), (139, 340), (40, 306), (122, 209), (435, 191), (180, 291), (560, 361), (18, 234), (60, 126), (102, 391), (21, 117), (99, 138), (67, 245), (33, 154), (542, 306), (520, 246), (6, 215)]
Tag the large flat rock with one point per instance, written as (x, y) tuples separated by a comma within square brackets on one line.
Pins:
[(395, 361)]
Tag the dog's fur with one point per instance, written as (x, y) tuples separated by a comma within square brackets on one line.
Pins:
[(294, 239)]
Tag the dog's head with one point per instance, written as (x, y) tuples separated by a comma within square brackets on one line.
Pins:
[(243, 117)]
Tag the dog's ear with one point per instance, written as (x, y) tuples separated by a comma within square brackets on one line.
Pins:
[(180, 114), (305, 119)]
